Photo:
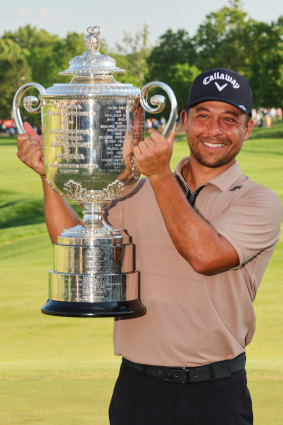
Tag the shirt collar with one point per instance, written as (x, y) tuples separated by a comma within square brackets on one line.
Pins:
[(224, 181)]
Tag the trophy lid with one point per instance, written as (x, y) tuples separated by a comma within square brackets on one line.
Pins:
[(92, 62), (92, 74)]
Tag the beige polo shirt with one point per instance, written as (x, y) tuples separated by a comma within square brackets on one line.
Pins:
[(194, 319)]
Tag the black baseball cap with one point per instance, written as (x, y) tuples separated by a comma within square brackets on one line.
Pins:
[(222, 85)]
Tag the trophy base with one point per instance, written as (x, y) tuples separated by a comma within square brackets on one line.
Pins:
[(119, 310), (94, 276)]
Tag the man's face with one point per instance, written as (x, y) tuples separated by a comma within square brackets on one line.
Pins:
[(215, 132)]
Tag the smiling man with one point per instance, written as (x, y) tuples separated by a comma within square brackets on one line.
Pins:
[(204, 236)]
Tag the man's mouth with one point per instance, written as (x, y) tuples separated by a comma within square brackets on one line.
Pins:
[(213, 145)]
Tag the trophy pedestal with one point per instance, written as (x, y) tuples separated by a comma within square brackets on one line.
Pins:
[(94, 276)]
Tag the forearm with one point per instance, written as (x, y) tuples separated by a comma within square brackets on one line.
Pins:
[(58, 213), (194, 238)]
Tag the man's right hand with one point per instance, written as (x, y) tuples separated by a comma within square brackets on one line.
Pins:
[(30, 149)]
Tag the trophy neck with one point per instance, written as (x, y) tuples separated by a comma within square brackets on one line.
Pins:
[(93, 219), (93, 228)]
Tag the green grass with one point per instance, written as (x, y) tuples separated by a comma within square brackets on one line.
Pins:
[(60, 371)]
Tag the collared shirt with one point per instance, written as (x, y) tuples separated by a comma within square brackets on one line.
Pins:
[(194, 319)]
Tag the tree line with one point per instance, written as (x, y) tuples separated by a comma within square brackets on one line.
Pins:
[(227, 38)]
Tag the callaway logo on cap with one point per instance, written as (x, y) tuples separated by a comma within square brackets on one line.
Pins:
[(222, 85)]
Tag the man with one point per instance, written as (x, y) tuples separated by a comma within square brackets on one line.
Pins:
[(204, 236)]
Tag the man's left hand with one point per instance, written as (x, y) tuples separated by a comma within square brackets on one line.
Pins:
[(153, 155)]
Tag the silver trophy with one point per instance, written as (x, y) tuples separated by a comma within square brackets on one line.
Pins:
[(90, 128)]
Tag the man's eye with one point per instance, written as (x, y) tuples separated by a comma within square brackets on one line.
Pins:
[(229, 119)]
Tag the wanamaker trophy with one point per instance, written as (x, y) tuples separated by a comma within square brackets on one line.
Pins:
[(90, 128)]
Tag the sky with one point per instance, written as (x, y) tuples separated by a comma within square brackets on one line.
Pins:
[(117, 17)]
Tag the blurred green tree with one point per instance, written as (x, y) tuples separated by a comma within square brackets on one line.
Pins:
[(131, 54), (36, 56), (266, 63), (15, 72), (220, 39), (173, 48), (181, 77), (229, 38), (171, 61)]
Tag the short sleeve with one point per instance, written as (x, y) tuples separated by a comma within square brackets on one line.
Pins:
[(252, 222)]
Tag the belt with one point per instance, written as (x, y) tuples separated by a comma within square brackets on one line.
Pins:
[(185, 375)]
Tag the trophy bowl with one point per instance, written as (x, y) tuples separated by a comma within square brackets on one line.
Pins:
[(90, 128)]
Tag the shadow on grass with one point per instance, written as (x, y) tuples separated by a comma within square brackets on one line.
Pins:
[(21, 212), (8, 141)]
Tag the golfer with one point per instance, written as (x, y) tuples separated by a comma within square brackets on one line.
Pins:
[(204, 235)]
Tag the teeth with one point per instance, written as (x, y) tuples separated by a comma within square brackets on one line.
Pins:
[(213, 145)]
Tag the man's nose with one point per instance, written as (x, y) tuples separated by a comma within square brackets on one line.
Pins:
[(214, 127)]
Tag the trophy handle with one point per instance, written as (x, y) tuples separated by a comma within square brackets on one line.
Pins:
[(28, 103), (160, 102)]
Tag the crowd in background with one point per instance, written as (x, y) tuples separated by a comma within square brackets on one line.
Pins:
[(8, 127), (263, 117)]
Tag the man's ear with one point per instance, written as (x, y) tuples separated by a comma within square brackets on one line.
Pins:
[(184, 117), (248, 130)]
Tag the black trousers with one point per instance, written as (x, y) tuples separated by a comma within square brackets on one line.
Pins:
[(140, 399)]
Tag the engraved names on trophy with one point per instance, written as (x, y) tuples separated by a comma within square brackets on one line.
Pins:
[(98, 259), (71, 141), (92, 287), (98, 288), (112, 135), (90, 136)]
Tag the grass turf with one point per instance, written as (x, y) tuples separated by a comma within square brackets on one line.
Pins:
[(59, 371)]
